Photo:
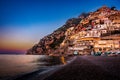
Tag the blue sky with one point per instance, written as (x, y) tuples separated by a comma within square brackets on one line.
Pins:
[(26, 21)]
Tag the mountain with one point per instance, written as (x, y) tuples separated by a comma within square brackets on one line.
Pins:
[(66, 36)]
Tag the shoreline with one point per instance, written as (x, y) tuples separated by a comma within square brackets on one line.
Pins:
[(77, 63), (42, 73)]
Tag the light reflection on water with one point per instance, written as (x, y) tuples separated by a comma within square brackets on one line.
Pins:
[(12, 65)]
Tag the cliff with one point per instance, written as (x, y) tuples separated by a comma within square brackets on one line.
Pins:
[(64, 37)]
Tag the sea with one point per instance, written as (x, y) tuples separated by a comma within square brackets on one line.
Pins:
[(12, 66)]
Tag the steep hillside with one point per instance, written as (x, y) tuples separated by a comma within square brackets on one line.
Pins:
[(51, 43), (65, 36)]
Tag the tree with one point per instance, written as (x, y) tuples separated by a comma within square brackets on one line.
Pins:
[(83, 15), (113, 8)]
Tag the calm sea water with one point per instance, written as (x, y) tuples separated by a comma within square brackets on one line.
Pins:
[(13, 65)]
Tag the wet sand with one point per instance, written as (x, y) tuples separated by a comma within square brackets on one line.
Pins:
[(82, 68), (89, 68)]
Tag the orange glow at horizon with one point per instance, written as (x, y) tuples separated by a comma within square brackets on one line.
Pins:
[(15, 45)]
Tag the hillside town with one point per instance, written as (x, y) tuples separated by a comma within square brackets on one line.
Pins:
[(94, 33)]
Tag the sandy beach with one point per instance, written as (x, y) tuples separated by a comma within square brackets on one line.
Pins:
[(81, 68), (89, 68)]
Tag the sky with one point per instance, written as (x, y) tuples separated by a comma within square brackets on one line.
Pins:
[(24, 22)]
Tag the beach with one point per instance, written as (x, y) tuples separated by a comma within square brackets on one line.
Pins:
[(81, 68), (89, 68)]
